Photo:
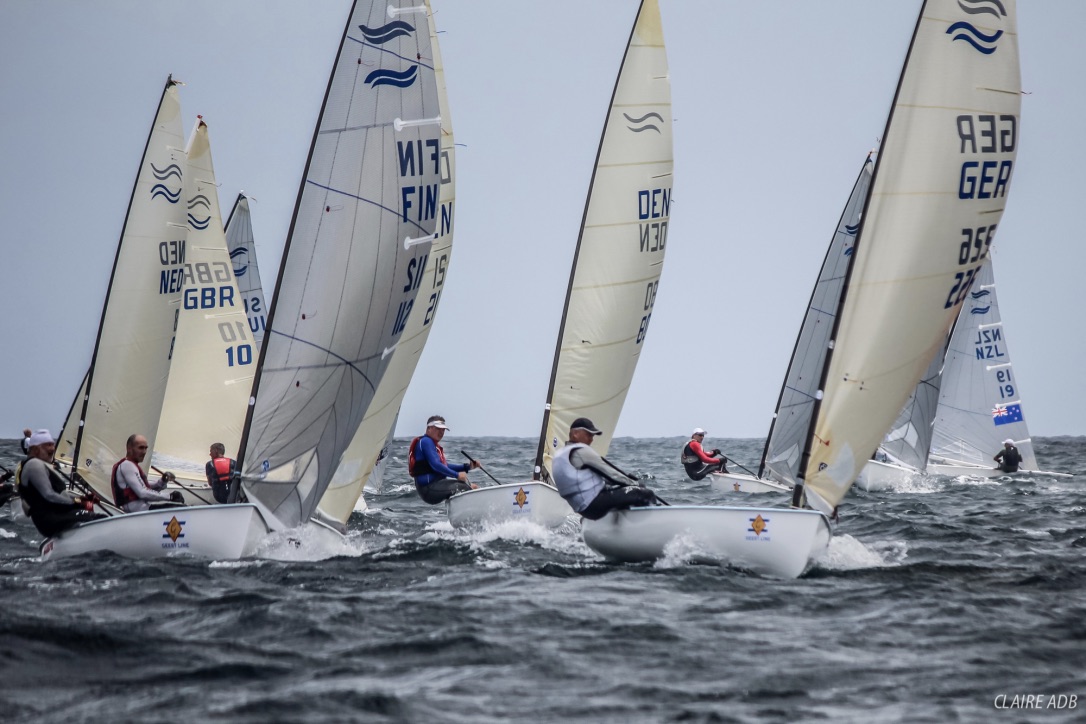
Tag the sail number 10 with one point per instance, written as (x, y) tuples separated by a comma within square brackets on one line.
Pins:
[(236, 354)]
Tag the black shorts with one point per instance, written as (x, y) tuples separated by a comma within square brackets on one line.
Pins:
[(440, 490), (618, 499)]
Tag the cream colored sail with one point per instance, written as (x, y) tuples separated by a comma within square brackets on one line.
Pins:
[(620, 252), (939, 190), (131, 361), (379, 424), (214, 353)]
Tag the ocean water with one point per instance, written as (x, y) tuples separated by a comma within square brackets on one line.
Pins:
[(933, 601)]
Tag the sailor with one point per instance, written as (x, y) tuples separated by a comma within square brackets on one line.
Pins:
[(589, 483), (436, 479), (697, 462), (26, 441), (132, 492), (219, 472), (1008, 458), (43, 490)]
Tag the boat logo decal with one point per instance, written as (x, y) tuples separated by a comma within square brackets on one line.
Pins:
[(199, 224), (173, 529), (848, 251), (966, 31), (385, 33), (758, 526), (735, 485), (398, 78), (640, 124), (160, 190), (851, 229), (981, 293), (521, 498), (980, 310), (235, 257), (163, 174)]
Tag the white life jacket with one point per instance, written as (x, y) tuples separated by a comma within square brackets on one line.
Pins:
[(578, 487)]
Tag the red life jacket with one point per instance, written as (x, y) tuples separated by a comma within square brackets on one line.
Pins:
[(222, 469), (123, 496), (419, 467)]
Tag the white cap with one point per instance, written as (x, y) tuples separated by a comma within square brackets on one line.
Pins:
[(437, 421), (1008, 441), (41, 437), (697, 431)]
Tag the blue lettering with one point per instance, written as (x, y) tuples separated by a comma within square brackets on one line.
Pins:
[(407, 159), (446, 219), (653, 204)]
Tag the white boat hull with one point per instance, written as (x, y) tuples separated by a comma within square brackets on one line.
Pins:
[(971, 471), (881, 476), (741, 483), (533, 500), (779, 542), (221, 532)]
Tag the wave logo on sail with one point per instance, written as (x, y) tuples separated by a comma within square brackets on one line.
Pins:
[(851, 229), (981, 294), (164, 174), (644, 123), (966, 31), (385, 33), (162, 190), (980, 310), (196, 202), (241, 256), (398, 78)]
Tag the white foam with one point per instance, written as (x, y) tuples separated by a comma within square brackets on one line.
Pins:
[(309, 543), (845, 553), (7, 534)]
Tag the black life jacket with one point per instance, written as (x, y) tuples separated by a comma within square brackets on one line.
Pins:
[(1011, 459), (690, 459), (123, 496), (34, 501)]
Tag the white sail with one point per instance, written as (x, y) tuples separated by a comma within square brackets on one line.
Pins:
[(378, 426), (353, 261), (69, 431), (909, 439), (620, 252), (242, 248), (939, 190), (214, 354), (131, 360), (792, 420), (981, 403)]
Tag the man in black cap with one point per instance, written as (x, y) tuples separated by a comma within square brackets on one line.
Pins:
[(591, 485)]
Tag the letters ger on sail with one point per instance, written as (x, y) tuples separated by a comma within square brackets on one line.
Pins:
[(366, 214)]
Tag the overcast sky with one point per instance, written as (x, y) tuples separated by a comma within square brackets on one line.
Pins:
[(776, 105)]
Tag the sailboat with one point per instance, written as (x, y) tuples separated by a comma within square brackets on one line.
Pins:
[(940, 180), (981, 402), (613, 282), (214, 353), (368, 450), (365, 216), (242, 248), (792, 419)]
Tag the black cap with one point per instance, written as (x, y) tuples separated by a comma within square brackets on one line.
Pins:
[(584, 423)]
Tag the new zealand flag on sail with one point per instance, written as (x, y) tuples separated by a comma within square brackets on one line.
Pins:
[(1007, 415)]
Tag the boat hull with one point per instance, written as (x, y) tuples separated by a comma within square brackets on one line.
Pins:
[(779, 542), (971, 471), (221, 532), (880, 476), (741, 483), (533, 500)]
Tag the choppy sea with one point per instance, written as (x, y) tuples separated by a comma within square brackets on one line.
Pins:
[(940, 601)]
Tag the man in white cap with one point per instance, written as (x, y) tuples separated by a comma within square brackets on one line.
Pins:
[(43, 490), (436, 479), (1008, 458), (590, 484), (697, 462)]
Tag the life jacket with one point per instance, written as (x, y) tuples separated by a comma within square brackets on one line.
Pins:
[(578, 486), (223, 469), (417, 467), (1011, 459), (689, 456), (124, 496)]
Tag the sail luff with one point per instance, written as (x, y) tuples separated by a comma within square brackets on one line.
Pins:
[(620, 247), (939, 189), (363, 224), (134, 331)]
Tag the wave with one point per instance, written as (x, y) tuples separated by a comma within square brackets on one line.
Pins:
[(161, 190), (164, 173), (400, 79), (981, 310), (199, 224), (641, 120), (200, 200), (975, 7), (385, 33), (980, 41)]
